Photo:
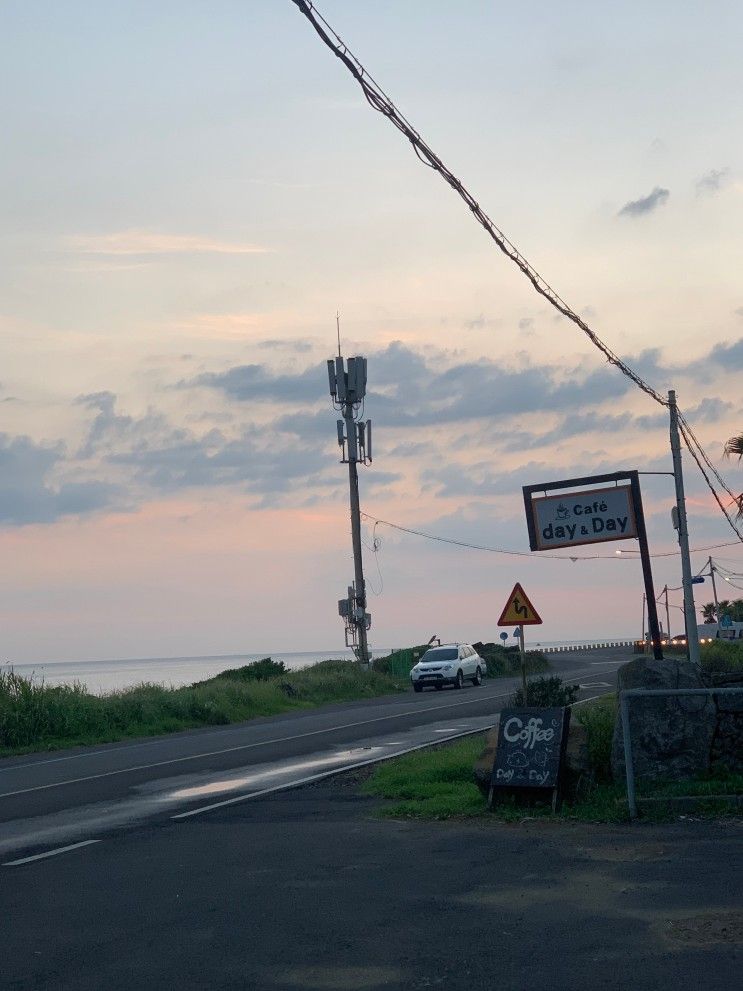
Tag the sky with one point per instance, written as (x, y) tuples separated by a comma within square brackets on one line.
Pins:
[(190, 191)]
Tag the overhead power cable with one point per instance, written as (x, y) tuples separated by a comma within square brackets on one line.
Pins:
[(694, 446), (379, 101), (513, 553), (383, 104)]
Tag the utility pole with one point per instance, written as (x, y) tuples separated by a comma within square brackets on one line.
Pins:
[(668, 618), (714, 590), (348, 388), (642, 634), (692, 634)]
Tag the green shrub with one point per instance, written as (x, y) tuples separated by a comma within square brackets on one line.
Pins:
[(722, 656), (261, 670), (546, 692), (598, 719), (506, 661)]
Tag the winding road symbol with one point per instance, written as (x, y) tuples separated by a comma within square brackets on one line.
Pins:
[(519, 610)]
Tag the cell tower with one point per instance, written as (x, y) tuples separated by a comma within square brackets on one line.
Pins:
[(347, 383)]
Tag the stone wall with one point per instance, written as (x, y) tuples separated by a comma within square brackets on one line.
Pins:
[(678, 737)]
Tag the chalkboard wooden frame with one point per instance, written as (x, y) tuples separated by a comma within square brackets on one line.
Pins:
[(530, 757)]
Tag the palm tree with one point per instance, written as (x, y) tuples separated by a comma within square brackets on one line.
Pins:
[(708, 613), (734, 447)]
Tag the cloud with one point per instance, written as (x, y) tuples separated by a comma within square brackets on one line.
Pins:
[(711, 182), (708, 410), (410, 389), (26, 495), (481, 322), (526, 323), (257, 382), (646, 204), (158, 455), (297, 345), (728, 356), (739, 311), (139, 242)]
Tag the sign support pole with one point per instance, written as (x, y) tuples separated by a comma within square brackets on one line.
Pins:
[(647, 571), (523, 664)]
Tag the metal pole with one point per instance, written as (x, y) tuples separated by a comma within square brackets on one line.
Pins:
[(714, 590), (668, 617), (523, 664), (692, 634), (642, 634), (628, 763), (647, 571), (358, 564)]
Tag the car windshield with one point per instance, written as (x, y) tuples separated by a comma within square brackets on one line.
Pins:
[(439, 654)]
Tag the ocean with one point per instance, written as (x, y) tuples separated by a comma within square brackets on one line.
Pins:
[(111, 675)]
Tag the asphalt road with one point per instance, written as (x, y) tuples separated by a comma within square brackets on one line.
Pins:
[(306, 890), (141, 778)]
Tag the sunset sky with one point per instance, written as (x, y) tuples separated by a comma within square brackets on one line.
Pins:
[(189, 192)]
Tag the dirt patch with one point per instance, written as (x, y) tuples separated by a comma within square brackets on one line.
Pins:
[(702, 930)]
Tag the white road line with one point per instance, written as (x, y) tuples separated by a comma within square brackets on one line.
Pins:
[(338, 770), (250, 746), (318, 777), (49, 853)]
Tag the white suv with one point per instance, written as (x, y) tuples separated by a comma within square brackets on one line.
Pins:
[(451, 664)]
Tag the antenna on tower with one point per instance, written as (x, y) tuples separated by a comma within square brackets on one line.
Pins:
[(347, 385)]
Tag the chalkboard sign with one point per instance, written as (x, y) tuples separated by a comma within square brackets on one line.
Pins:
[(531, 748)]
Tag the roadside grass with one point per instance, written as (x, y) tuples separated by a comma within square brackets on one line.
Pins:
[(36, 716), (722, 656), (438, 783)]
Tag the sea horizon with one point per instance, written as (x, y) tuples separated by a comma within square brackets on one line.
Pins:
[(115, 674)]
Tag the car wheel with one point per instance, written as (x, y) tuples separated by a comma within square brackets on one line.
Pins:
[(477, 680), (460, 680), (417, 688)]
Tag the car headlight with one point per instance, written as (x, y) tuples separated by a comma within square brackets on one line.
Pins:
[(448, 667)]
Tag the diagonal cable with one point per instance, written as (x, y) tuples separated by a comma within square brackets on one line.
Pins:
[(383, 104)]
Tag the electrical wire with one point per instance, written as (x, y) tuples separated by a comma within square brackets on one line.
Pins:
[(383, 104), (740, 587), (375, 547), (688, 436), (620, 555)]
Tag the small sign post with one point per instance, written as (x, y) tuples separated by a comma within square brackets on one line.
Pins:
[(518, 609)]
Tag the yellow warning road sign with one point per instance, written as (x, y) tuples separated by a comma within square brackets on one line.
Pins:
[(518, 610)]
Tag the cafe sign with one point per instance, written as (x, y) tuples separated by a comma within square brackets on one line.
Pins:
[(588, 517), (573, 511)]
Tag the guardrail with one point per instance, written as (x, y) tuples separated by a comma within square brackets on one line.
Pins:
[(630, 693), (598, 645)]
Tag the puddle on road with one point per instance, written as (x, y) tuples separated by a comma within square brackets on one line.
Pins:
[(274, 773)]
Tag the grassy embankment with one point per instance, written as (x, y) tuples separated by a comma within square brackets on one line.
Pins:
[(439, 784), (36, 716)]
